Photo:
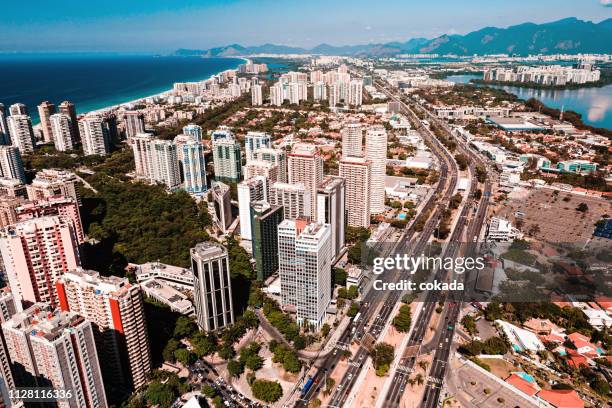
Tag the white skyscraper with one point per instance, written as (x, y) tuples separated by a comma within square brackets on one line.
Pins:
[(250, 190), (193, 130), (143, 158), (194, 167), (304, 265), (212, 286), (256, 95), (355, 93), (376, 153), (61, 130), (22, 134), (255, 141), (276, 157), (165, 163), (331, 209), (276, 94), (294, 198), (134, 124), (11, 165), (357, 171), (335, 91), (320, 91), (306, 167), (352, 140), (227, 156), (94, 135)]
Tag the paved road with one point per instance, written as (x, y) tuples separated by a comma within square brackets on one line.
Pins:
[(437, 205)]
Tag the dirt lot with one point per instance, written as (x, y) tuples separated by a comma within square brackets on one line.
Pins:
[(554, 214)]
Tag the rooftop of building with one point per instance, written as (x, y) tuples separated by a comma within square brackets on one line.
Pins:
[(304, 149), (10, 182), (153, 268), (208, 249), (289, 187), (107, 284), (166, 293), (42, 321), (330, 182)]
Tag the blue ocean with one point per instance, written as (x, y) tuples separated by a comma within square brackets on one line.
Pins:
[(94, 81)]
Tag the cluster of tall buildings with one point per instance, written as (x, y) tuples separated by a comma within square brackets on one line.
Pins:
[(333, 86), (554, 75), (296, 217), (178, 163), (59, 125)]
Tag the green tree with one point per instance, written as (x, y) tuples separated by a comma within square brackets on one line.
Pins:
[(184, 327), (226, 351), (267, 391), (403, 320), (469, 324), (209, 391), (184, 357), (383, 356), (235, 368), (171, 347), (325, 329), (160, 394), (254, 362), (353, 310)]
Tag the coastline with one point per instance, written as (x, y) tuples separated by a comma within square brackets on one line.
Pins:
[(88, 100), (163, 93)]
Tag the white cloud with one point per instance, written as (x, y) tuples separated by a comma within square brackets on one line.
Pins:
[(368, 28), (606, 3)]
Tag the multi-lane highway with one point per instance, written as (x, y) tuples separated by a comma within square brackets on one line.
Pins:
[(373, 298), (438, 204)]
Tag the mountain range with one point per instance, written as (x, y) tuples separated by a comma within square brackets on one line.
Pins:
[(569, 35)]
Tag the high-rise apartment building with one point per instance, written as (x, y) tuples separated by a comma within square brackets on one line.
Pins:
[(7, 309), (254, 141), (194, 167), (45, 110), (143, 156), (250, 190), (56, 349), (376, 153), (10, 187), (262, 168), (5, 137), (68, 108), (226, 156), (51, 182), (264, 224), (95, 135), (357, 171), (11, 165), (276, 157), (193, 130), (306, 167), (19, 109), (304, 265), (8, 216), (134, 123), (221, 205), (352, 140), (36, 252), (116, 309), (22, 134), (331, 209), (256, 95), (294, 198), (276, 94), (165, 164), (319, 91), (212, 286), (355, 92), (156, 160), (57, 205), (61, 132)]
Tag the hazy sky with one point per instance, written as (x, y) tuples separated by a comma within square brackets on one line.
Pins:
[(164, 25)]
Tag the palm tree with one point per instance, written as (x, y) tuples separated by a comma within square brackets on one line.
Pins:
[(411, 381), (423, 365), (419, 379)]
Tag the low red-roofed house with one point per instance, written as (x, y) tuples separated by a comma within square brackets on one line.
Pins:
[(575, 360), (583, 345), (522, 384), (562, 398)]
